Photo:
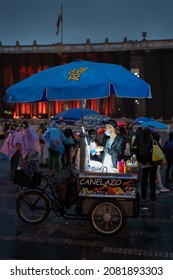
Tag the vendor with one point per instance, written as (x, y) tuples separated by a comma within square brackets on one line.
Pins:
[(113, 146), (93, 143)]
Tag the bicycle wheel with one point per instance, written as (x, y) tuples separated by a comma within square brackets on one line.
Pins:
[(32, 207), (107, 217)]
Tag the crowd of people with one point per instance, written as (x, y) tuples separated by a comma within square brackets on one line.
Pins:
[(46, 146), (123, 143), (55, 146)]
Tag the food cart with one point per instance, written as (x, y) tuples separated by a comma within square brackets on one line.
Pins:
[(108, 197)]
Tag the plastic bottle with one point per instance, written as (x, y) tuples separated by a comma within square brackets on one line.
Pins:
[(128, 166), (134, 160), (125, 167), (120, 166)]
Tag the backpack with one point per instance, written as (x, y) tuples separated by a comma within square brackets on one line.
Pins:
[(168, 147), (145, 151)]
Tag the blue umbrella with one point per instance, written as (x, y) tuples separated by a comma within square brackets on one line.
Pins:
[(141, 120), (74, 114), (79, 80), (92, 121), (154, 124)]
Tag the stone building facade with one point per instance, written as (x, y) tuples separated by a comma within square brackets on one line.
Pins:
[(151, 60)]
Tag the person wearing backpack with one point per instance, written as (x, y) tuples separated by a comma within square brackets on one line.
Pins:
[(136, 138), (168, 148), (149, 169), (159, 185)]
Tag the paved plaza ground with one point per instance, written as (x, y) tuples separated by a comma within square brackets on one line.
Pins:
[(150, 236)]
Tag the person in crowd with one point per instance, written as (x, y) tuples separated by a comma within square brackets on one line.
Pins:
[(6, 126), (92, 135), (127, 152), (129, 128), (67, 156), (44, 151), (31, 144), (93, 142), (168, 148), (12, 147), (113, 146), (18, 126), (42, 128), (136, 138), (55, 140), (149, 169), (159, 184)]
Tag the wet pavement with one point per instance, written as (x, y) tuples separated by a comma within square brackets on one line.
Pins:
[(150, 236)]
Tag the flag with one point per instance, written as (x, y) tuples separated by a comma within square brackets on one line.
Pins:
[(59, 21)]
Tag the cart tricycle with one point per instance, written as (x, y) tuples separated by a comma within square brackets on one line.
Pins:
[(95, 193)]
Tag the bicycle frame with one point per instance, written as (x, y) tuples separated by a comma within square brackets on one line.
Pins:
[(55, 202)]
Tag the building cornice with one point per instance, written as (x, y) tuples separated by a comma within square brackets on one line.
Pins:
[(126, 45)]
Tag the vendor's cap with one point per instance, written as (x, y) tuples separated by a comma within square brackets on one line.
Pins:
[(111, 122)]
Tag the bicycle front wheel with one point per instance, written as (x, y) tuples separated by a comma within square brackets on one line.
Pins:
[(32, 207), (107, 217)]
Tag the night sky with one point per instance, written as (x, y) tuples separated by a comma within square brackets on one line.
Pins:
[(26, 21)]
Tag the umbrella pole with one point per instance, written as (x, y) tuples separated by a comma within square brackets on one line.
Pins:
[(82, 108)]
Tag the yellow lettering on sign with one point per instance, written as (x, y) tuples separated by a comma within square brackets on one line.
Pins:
[(75, 74)]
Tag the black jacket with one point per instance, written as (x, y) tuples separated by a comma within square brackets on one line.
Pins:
[(117, 149)]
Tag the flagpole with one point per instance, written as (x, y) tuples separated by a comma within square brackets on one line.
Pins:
[(61, 24)]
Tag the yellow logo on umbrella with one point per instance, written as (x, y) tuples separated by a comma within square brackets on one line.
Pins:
[(75, 74)]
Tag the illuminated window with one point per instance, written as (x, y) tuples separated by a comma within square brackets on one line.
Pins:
[(135, 71)]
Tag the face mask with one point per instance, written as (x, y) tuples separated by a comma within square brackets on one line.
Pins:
[(107, 133), (24, 126)]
